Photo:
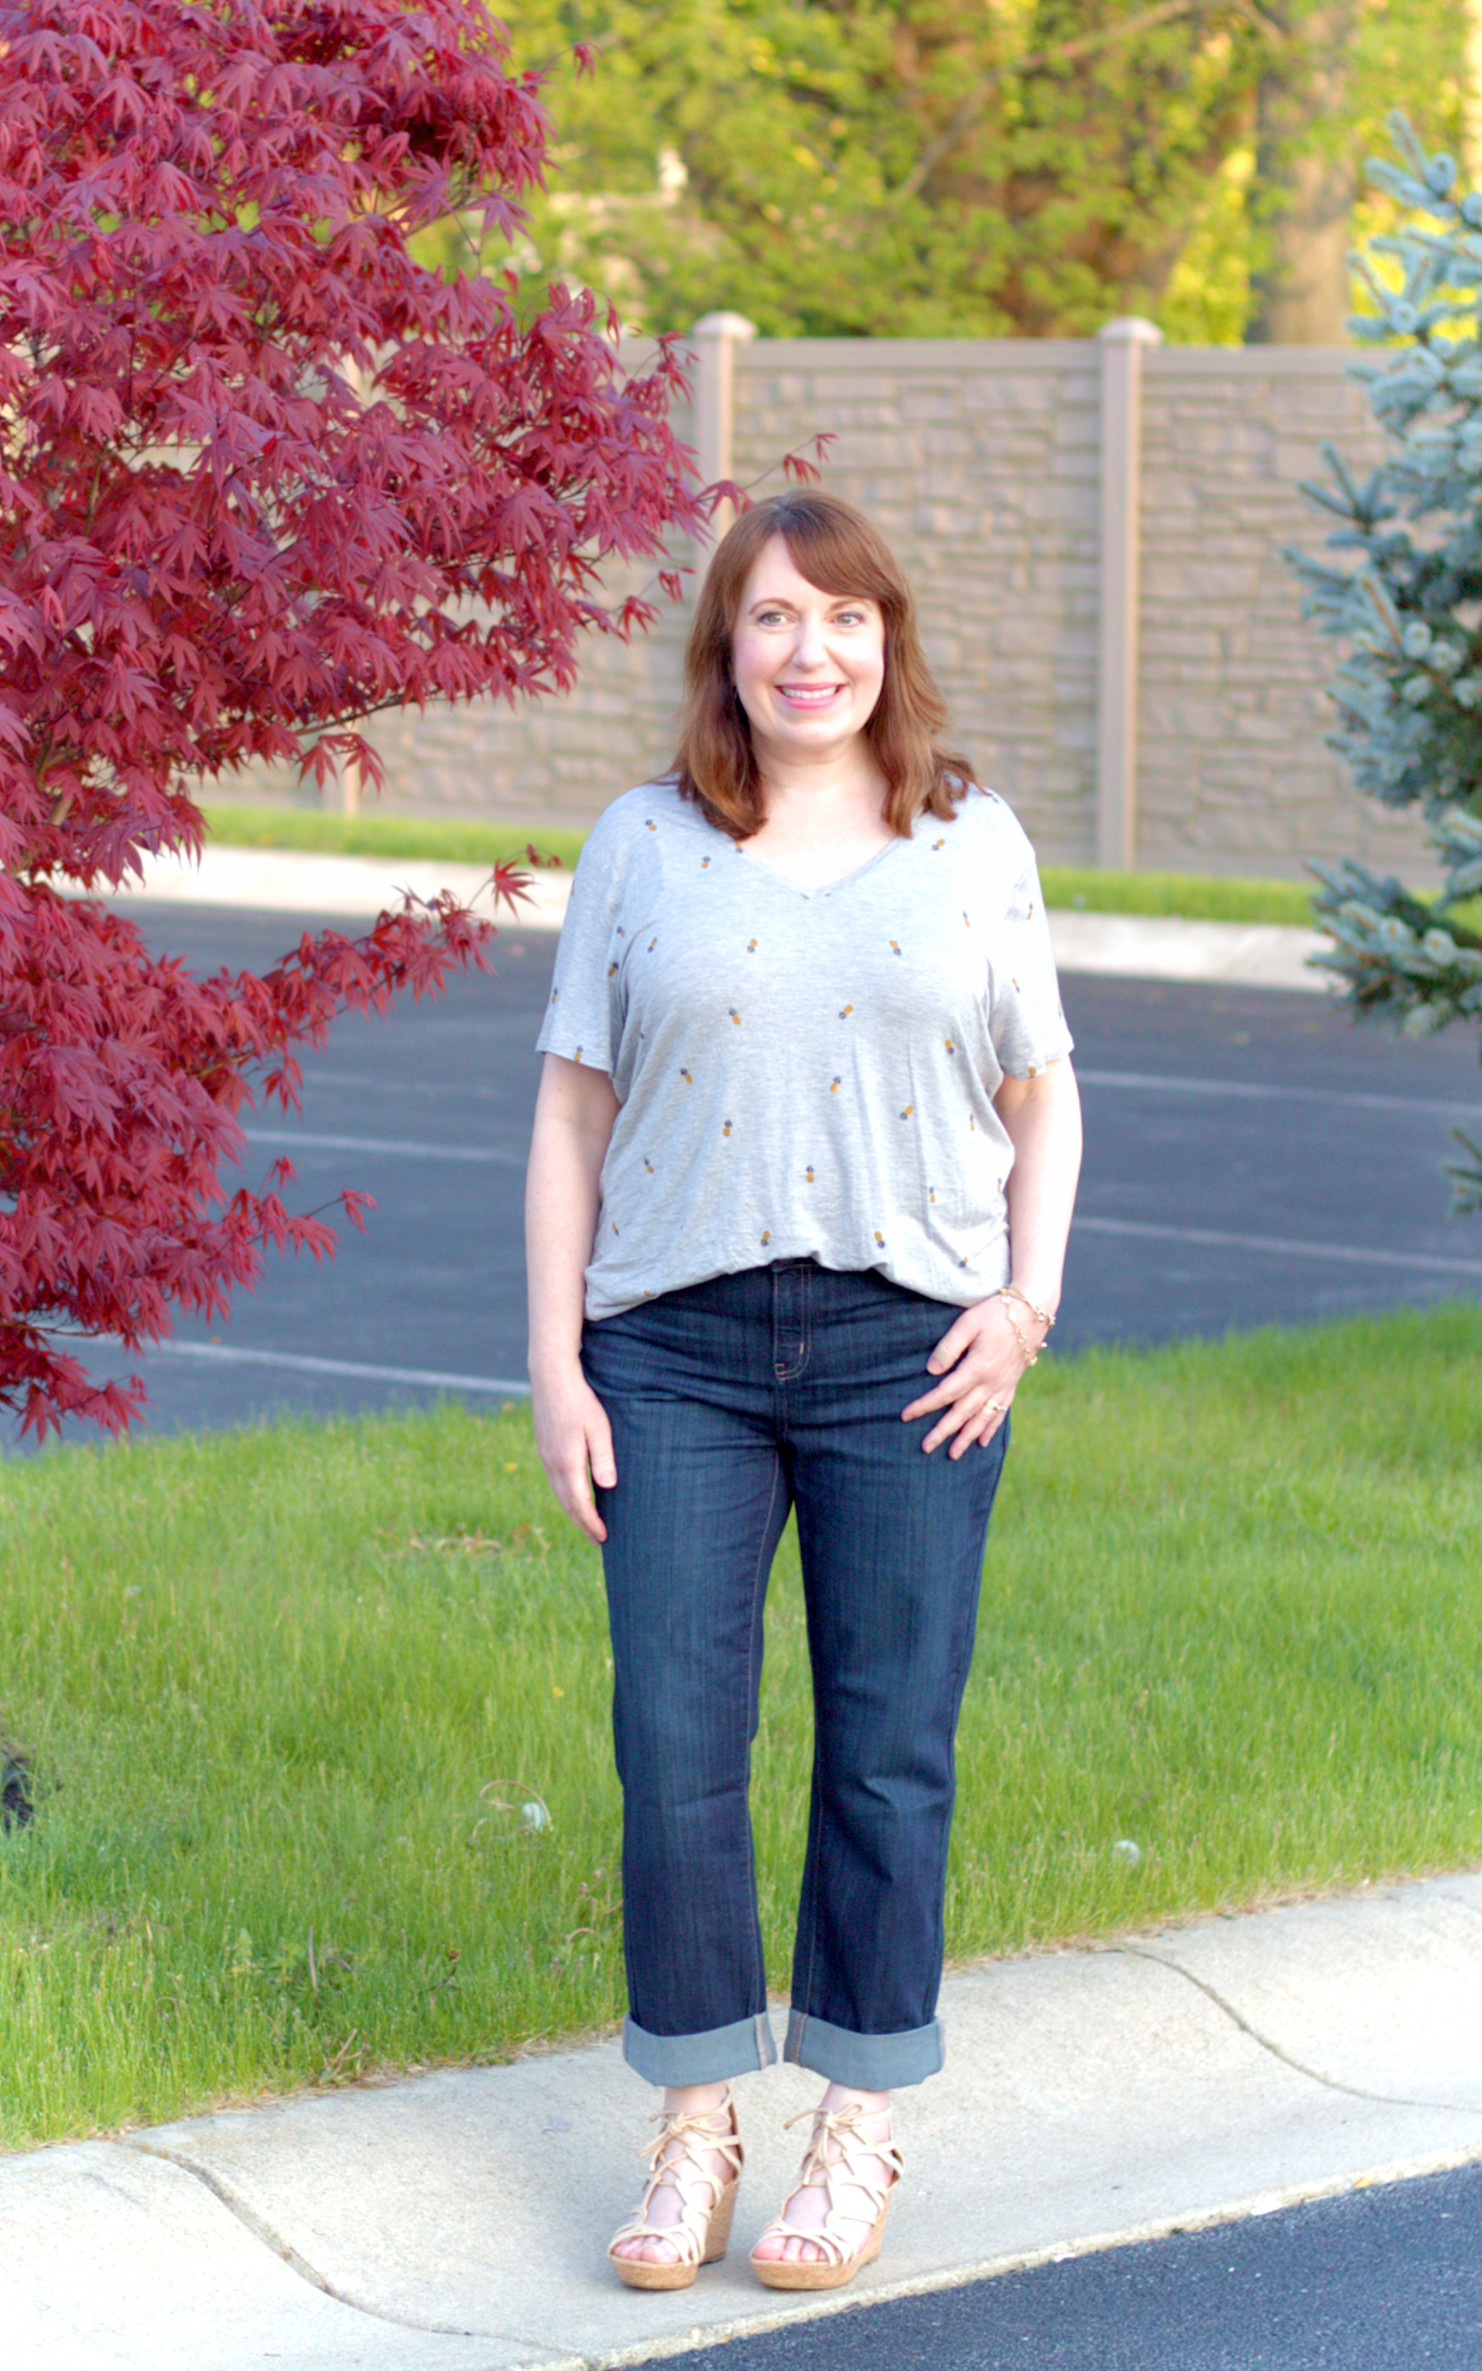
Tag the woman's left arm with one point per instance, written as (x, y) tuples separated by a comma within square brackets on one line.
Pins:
[(983, 1354), (1042, 1119)]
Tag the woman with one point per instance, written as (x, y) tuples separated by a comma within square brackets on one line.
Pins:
[(804, 1157)]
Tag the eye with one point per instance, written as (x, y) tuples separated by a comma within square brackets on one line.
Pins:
[(850, 617)]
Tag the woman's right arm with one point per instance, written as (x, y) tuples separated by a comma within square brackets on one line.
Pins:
[(574, 1112)]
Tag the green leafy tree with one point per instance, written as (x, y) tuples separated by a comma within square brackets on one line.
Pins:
[(888, 167), (1334, 71), (953, 167), (1403, 593)]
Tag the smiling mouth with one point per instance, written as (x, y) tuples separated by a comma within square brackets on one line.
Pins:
[(808, 695)]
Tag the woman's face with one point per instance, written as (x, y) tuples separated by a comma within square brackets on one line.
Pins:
[(808, 665)]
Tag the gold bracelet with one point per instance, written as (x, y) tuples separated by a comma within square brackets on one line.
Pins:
[(1013, 1292), (1031, 1357)]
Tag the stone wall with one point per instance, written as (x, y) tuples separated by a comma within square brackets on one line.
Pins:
[(1233, 771), (980, 459)]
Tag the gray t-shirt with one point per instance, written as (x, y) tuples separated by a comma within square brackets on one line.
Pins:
[(803, 1074)]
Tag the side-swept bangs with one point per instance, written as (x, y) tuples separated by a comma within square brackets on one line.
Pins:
[(838, 549)]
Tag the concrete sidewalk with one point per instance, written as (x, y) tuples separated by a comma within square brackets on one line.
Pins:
[(1248, 954), (291, 881), (457, 2222)]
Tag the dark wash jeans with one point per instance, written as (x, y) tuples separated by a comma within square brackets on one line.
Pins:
[(731, 1402)]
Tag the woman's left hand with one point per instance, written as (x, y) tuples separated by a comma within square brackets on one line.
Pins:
[(980, 1360)]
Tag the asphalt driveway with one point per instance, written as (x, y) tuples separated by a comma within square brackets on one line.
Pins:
[(1252, 1158)]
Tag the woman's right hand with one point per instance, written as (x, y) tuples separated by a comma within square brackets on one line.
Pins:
[(574, 1441)]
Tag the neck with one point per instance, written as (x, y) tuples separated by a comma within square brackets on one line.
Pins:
[(835, 780)]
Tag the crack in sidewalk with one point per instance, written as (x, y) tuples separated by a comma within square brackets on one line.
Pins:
[(262, 2231), (1383, 2099)]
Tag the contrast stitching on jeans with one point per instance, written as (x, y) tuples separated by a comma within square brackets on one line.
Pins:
[(805, 1322), (785, 1370), (962, 1664), (759, 1967), (812, 1888)]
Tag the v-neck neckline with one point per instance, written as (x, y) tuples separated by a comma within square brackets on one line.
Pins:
[(825, 888)]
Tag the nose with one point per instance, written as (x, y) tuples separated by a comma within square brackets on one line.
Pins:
[(809, 649)]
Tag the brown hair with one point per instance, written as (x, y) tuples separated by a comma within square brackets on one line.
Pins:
[(837, 549)]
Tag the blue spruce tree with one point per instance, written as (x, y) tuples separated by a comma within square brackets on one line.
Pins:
[(1407, 604)]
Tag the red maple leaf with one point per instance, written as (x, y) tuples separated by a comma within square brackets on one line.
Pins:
[(265, 476)]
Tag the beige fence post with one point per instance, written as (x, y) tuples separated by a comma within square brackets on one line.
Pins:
[(1122, 343), (715, 337)]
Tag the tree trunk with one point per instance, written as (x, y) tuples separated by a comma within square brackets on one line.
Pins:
[(1472, 94), (1301, 297)]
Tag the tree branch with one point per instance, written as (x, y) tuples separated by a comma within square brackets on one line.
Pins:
[(1068, 53)]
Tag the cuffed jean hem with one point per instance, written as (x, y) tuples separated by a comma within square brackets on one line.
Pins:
[(873, 2061), (711, 2057)]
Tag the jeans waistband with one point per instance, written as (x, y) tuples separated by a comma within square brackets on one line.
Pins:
[(792, 1322)]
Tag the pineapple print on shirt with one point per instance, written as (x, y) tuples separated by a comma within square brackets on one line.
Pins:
[(725, 1034)]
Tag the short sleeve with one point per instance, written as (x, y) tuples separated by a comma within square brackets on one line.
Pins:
[(584, 1016), (1027, 1023)]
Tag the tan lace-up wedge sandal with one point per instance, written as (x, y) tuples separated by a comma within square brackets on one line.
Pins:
[(837, 2152), (703, 2231)]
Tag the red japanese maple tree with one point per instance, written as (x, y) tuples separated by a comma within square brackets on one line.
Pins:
[(261, 474)]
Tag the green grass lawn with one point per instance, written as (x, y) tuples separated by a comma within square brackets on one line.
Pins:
[(406, 836), (286, 1692), (1206, 898), (1196, 897)]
